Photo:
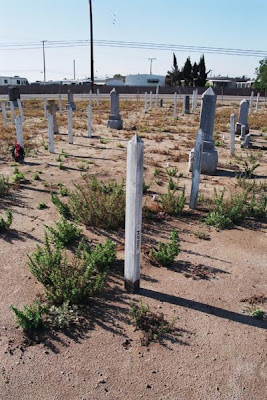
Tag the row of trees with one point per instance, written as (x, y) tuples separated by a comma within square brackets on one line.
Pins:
[(191, 75)]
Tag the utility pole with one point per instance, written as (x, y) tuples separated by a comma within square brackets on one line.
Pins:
[(43, 41), (74, 73), (151, 61), (91, 45)]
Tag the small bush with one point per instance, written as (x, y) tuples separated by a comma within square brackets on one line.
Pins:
[(99, 204), (63, 191), (65, 232), (36, 176), (17, 176), (62, 316), (237, 208), (6, 223), (62, 207), (165, 254), (30, 317), (172, 171), (153, 325), (4, 186), (41, 206), (71, 280), (173, 203)]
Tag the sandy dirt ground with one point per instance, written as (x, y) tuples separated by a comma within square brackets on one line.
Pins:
[(217, 350)]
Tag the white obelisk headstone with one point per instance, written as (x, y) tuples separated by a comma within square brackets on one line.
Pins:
[(60, 104), (145, 102), (175, 105), (196, 169), (157, 96), (133, 221), (70, 126), (258, 101), (150, 100), (232, 134), (19, 131), (50, 133), (20, 110), (45, 108), (3, 108), (89, 120), (12, 112)]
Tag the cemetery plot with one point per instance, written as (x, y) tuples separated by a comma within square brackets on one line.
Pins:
[(196, 328)]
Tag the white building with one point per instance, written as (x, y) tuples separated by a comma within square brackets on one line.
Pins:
[(14, 81), (144, 80)]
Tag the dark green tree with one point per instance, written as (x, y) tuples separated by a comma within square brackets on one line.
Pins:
[(195, 74), (187, 72), (173, 77), (202, 72), (261, 71)]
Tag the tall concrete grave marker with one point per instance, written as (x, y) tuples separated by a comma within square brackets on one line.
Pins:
[(70, 102), (186, 104), (45, 108), (50, 133), (209, 160), (196, 169), (60, 104), (19, 131), (89, 120), (70, 126), (243, 117), (3, 108), (20, 110), (251, 102), (115, 121), (258, 101), (12, 112), (52, 111), (145, 102), (232, 134), (133, 221), (150, 100), (175, 105)]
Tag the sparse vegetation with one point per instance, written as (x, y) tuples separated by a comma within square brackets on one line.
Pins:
[(30, 317), (165, 254), (153, 325), (173, 203), (6, 223), (17, 176), (4, 186), (65, 232), (99, 204), (73, 280)]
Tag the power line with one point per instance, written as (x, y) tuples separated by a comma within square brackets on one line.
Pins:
[(55, 44)]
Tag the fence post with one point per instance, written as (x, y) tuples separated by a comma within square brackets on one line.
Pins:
[(50, 133)]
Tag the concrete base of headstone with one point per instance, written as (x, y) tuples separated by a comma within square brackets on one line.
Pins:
[(132, 287), (115, 123), (238, 129), (246, 143), (209, 161), (71, 105)]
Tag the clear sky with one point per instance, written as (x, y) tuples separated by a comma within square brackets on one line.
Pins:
[(215, 23)]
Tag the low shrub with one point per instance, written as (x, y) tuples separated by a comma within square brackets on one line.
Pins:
[(165, 254), (153, 325), (98, 204), (62, 207), (65, 232), (17, 176), (6, 223), (72, 280), (30, 317), (4, 186), (173, 203)]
